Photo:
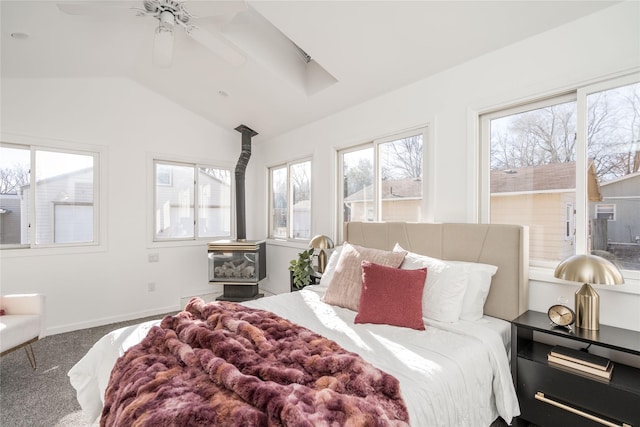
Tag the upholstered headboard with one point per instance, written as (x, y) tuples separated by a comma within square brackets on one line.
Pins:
[(505, 246)]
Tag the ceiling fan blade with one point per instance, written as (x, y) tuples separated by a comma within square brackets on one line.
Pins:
[(163, 48), (218, 45), (98, 9)]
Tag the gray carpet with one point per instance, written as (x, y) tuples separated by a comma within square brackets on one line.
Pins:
[(44, 397)]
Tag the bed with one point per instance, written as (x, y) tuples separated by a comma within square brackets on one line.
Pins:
[(451, 373)]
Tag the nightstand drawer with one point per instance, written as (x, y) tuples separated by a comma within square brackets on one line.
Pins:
[(559, 392)]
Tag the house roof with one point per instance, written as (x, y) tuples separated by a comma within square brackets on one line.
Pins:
[(622, 178), (391, 189), (553, 176), (543, 178)]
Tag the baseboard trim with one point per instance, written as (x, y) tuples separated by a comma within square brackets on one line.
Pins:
[(70, 327)]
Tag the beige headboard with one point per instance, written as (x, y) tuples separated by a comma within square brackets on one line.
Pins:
[(505, 246)]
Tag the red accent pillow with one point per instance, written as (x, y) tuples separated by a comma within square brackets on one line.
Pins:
[(391, 296)]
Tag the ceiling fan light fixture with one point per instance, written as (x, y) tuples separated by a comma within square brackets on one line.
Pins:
[(163, 43)]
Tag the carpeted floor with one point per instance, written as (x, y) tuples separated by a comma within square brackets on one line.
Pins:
[(44, 397)]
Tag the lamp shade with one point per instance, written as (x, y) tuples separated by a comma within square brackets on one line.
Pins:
[(590, 269), (321, 242)]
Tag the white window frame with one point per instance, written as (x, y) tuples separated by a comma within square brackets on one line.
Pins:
[(485, 144), (580, 95), (100, 191), (166, 160), (288, 165), (427, 174)]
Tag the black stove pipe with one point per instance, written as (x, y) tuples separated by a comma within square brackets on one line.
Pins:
[(241, 166)]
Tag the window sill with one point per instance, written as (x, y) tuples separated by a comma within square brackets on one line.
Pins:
[(298, 244), (182, 243), (631, 284), (51, 251)]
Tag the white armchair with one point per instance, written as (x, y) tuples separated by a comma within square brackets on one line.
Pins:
[(22, 324)]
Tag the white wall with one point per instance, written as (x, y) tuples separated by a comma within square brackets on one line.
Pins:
[(593, 48), (88, 287)]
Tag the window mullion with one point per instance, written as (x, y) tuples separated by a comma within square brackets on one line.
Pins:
[(196, 202), (32, 199), (289, 202), (377, 185), (582, 223), (96, 200)]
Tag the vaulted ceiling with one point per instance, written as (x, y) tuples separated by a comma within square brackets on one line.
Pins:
[(358, 49)]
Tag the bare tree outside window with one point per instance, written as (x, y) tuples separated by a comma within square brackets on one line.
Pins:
[(402, 159)]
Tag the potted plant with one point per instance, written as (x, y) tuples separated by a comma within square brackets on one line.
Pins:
[(301, 268)]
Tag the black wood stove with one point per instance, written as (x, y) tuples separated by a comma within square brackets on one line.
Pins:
[(239, 264)]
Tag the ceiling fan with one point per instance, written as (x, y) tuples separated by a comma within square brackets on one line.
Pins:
[(172, 13)]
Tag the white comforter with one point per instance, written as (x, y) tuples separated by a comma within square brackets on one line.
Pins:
[(450, 375)]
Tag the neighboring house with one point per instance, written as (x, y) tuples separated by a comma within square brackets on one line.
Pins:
[(401, 201), (618, 218), (64, 204), (620, 206), (543, 198), (9, 219)]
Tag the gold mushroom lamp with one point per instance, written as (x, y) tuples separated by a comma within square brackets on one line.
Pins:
[(589, 270), (320, 243)]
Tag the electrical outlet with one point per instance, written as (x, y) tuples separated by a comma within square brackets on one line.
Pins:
[(151, 286), (155, 257)]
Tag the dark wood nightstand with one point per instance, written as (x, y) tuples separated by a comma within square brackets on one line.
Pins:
[(552, 397)]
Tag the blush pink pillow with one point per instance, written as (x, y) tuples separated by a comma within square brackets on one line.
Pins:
[(391, 296), (345, 286)]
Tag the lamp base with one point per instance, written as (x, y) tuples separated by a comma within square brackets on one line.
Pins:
[(587, 308)]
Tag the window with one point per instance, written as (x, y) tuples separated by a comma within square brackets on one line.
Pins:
[(558, 165), (382, 180), (48, 197), (191, 201), (568, 227), (606, 211), (290, 200)]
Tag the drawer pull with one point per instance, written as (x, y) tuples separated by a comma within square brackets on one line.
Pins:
[(541, 397)]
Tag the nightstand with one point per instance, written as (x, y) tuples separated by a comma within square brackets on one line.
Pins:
[(552, 397)]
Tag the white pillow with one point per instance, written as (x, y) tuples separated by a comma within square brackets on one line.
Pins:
[(330, 269), (444, 288), (478, 287)]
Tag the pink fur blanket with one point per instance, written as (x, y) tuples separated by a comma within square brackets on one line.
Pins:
[(225, 364)]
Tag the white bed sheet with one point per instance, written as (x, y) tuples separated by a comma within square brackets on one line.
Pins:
[(450, 374)]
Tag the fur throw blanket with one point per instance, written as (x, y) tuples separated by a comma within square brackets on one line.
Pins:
[(225, 364)]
